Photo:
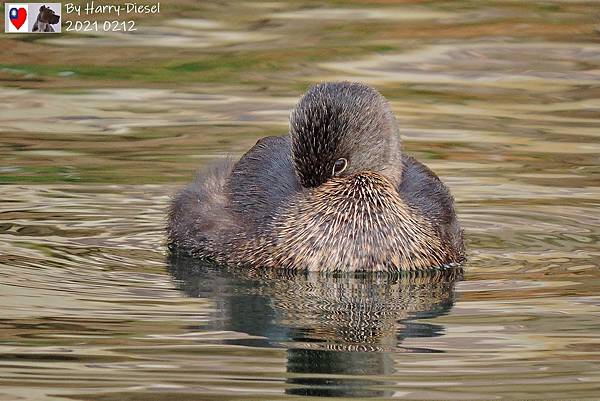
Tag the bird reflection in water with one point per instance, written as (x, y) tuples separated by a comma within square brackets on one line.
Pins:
[(339, 330)]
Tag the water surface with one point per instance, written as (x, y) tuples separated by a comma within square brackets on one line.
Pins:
[(501, 99)]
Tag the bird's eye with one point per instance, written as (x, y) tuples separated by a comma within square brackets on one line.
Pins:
[(339, 166)]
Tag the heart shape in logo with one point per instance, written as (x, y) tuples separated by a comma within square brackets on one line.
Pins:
[(18, 16)]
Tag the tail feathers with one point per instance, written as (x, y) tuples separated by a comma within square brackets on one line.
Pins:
[(197, 214)]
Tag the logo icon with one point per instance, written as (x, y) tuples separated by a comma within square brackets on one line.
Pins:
[(17, 16), (21, 18)]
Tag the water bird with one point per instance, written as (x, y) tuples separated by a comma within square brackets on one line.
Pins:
[(336, 194)]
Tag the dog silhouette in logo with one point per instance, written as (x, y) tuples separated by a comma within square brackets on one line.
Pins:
[(45, 19)]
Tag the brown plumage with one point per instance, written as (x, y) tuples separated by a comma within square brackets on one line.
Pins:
[(337, 194)]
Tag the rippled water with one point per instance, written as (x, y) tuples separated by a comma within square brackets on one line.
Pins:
[(501, 99)]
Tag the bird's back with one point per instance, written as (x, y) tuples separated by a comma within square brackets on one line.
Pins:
[(261, 181), (230, 202)]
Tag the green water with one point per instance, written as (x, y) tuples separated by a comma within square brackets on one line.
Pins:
[(500, 98)]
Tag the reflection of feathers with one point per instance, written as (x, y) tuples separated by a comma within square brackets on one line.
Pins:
[(337, 328), (359, 312)]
